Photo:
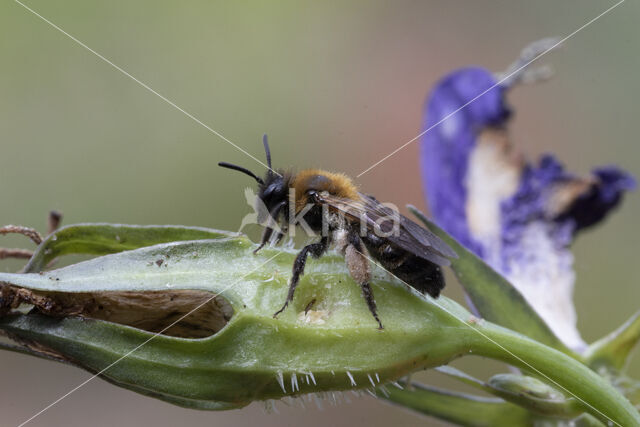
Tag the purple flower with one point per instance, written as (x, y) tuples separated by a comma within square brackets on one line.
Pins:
[(519, 216)]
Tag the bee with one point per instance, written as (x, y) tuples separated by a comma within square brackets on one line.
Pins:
[(357, 225)]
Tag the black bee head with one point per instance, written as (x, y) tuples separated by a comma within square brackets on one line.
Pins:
[(273, 189)]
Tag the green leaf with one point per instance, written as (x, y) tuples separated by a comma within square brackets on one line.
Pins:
[(332, 344), (612, 352), (493, 296), (102, 239)]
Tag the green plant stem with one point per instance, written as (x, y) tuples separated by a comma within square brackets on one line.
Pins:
[(593, 392), (460, 408), (472, 411), (612, 352)]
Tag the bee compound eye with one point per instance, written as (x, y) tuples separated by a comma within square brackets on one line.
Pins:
[(267, 193)]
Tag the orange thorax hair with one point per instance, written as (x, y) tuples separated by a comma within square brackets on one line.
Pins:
[(336, 184)]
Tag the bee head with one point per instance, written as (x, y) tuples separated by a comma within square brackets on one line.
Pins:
[(273, 189)]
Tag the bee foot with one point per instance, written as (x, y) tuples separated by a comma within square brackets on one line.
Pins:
[(275, 315)]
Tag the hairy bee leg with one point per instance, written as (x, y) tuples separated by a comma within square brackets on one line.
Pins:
[(316, 250), (371, 302), (360, 270)]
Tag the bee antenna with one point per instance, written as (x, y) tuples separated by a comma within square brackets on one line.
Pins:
[(265, 142), (243, 170)]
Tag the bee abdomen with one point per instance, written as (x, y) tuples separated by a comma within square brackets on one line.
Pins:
[(419, 273), (422, 275)]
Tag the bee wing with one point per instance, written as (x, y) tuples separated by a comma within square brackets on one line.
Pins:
[(419, 233), (381, 220)]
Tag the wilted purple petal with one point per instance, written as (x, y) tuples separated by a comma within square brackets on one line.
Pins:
[(446, 148), (520, 217)]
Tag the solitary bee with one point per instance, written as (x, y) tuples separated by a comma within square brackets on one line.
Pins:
[(356, 224)]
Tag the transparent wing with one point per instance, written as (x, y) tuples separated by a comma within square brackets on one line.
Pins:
[(391, 225)]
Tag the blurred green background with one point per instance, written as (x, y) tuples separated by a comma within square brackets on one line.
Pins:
[(336, 85)]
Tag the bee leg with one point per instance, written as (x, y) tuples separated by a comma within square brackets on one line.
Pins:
[(316, 250), (278, 238), (360, 270), (266, 235), (371, 302)]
